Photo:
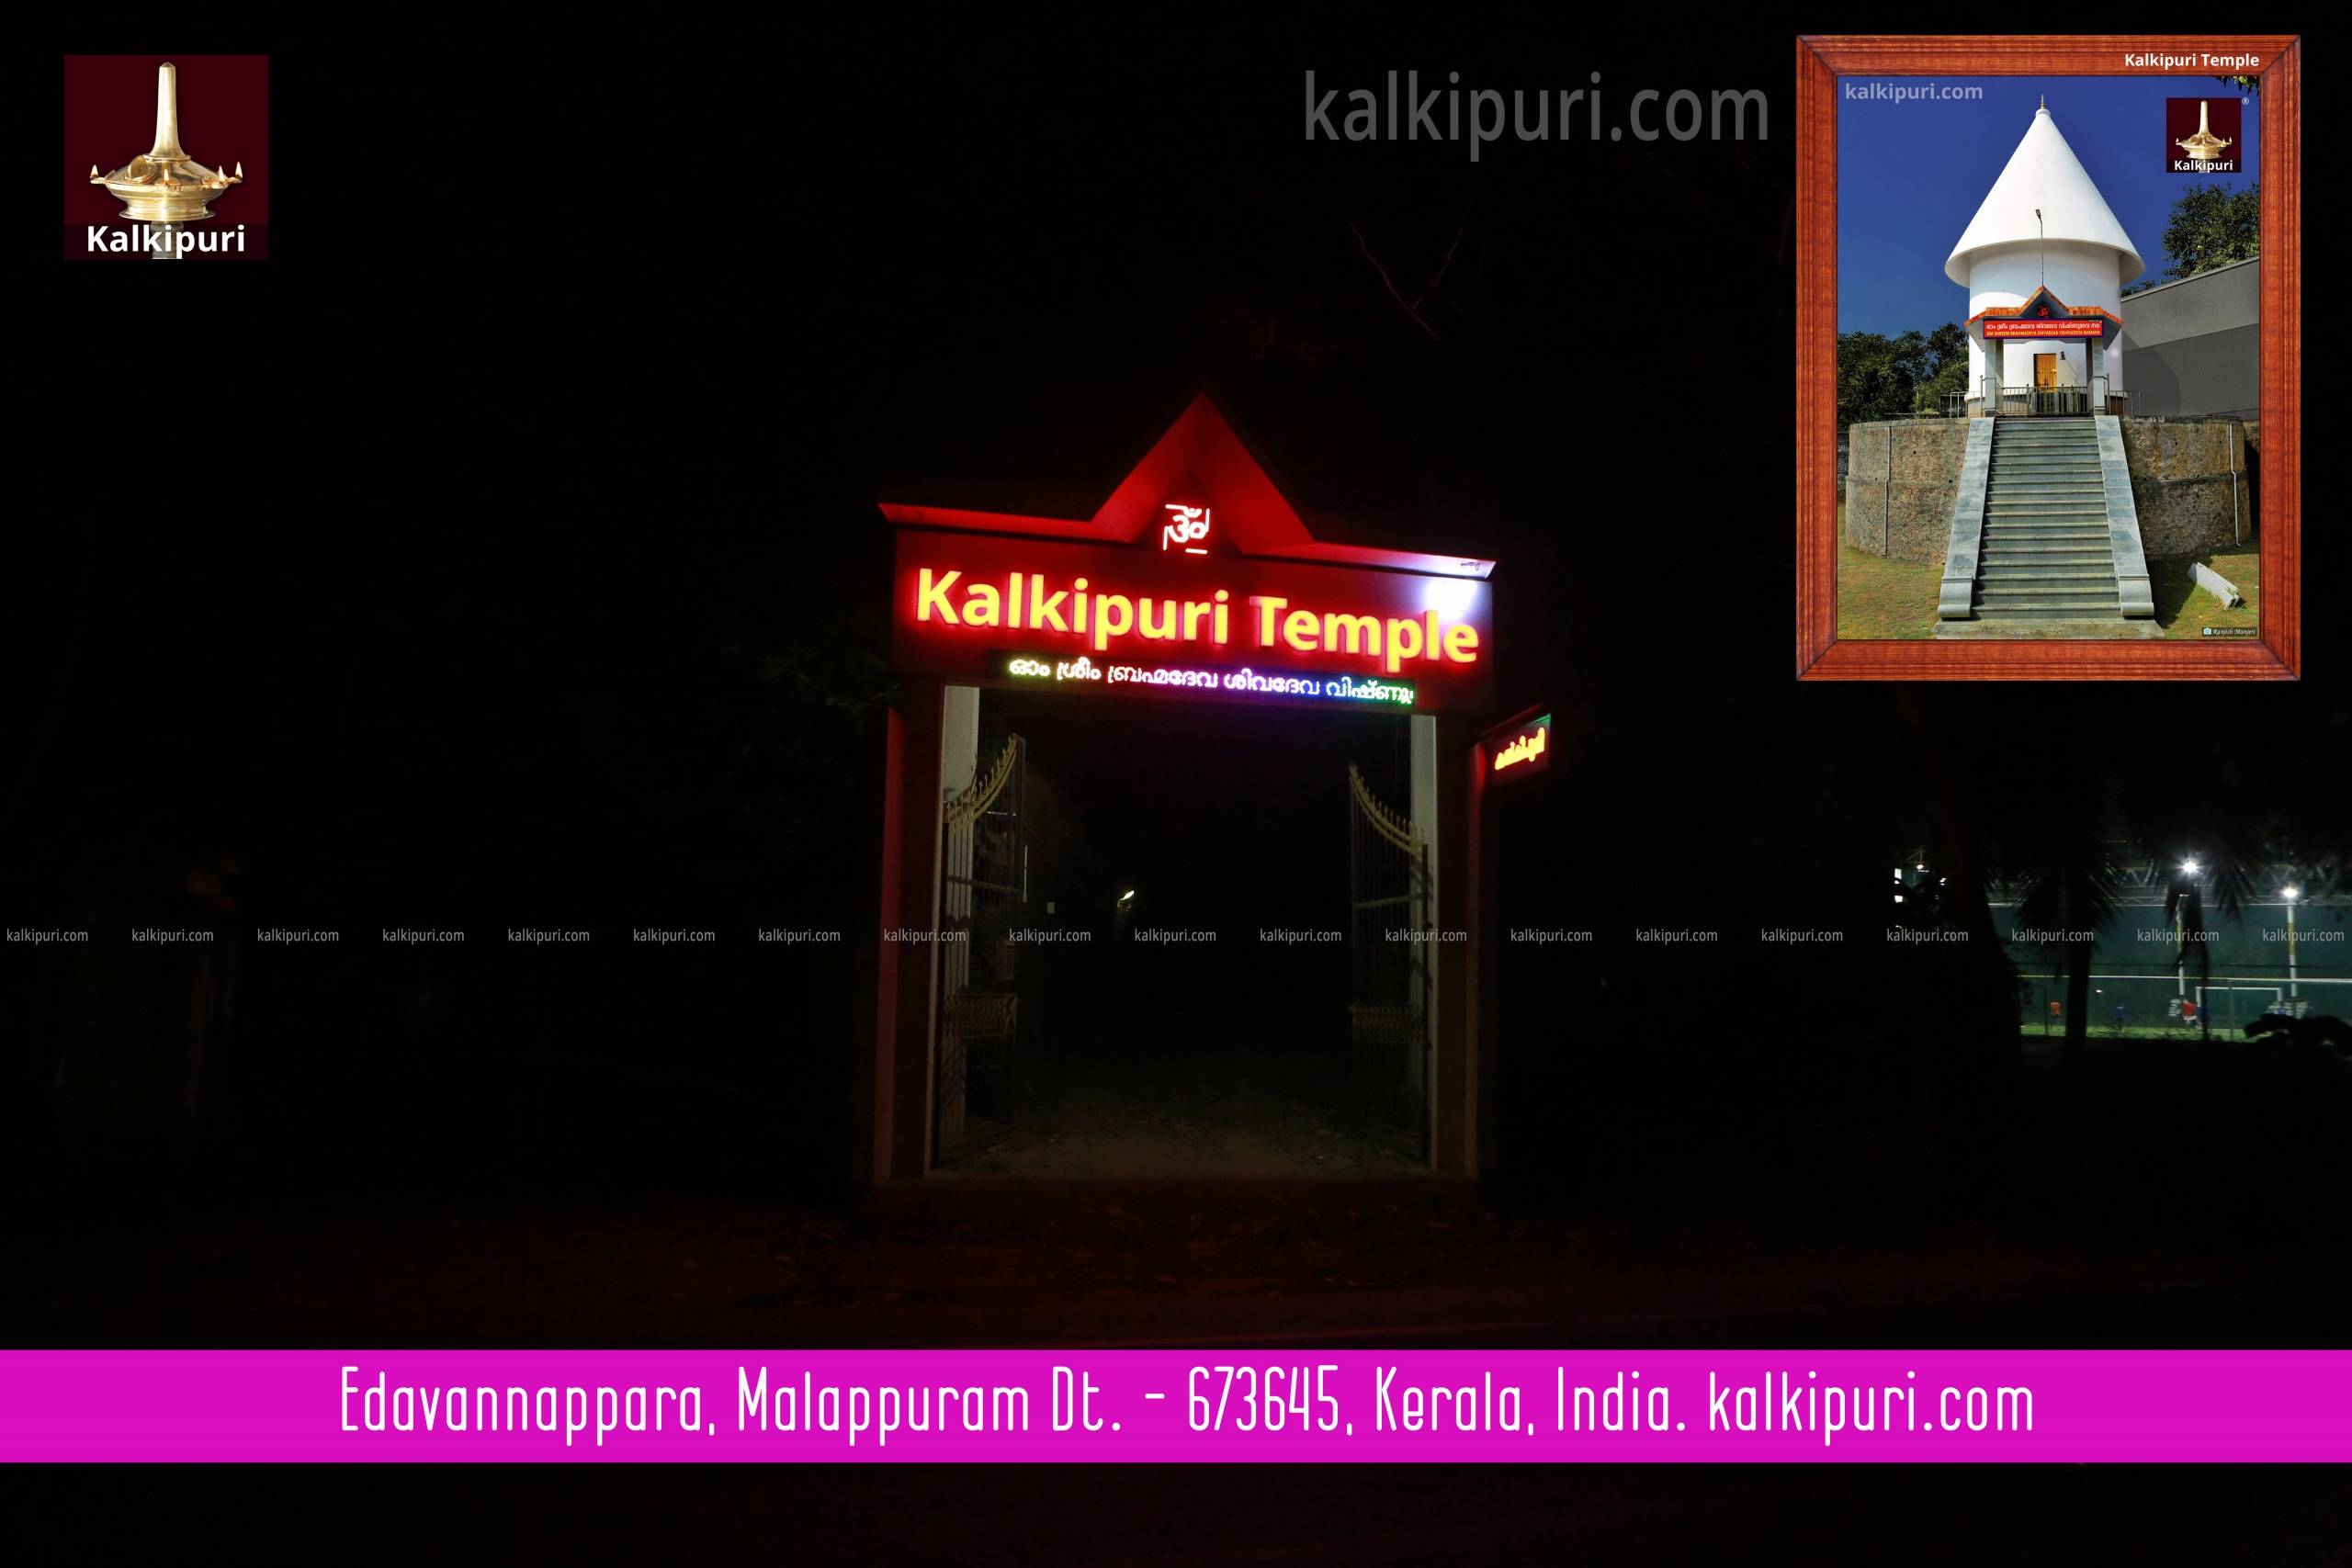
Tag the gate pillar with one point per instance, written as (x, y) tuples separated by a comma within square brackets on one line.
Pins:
[(1481, 1028), (1457, 1090), (907, 970)]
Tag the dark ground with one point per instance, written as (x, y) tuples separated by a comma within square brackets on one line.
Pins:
[(1218, 1108), (2182, 1195), (1041, 1262)]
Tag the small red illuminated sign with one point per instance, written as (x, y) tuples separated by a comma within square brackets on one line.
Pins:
[(2032, 327), (1522, 751)]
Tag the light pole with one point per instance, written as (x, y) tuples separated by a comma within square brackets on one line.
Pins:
[(2294, 989), (2041, 260), (2179, 962)]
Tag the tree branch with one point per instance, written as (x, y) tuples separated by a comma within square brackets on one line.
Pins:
[(1412, 312)]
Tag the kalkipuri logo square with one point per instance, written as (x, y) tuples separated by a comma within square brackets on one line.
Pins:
[(2201, 135)]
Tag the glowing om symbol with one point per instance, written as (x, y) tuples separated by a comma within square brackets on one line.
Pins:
[(1191, 524)]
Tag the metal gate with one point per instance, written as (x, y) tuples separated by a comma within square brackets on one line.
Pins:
[(984, 894), (1389, 931)]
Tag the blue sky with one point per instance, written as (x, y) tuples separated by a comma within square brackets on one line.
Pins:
[(1910, 175)]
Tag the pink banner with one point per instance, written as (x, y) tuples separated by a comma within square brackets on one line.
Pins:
[(2060, 1406)]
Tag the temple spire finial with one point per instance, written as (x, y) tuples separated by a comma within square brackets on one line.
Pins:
[(167, 113)]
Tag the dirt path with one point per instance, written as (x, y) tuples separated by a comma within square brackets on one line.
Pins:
[(1165, 1115)]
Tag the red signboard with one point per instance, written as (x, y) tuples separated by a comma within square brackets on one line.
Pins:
[(2045, 326), (1520, 751), (959, 596)]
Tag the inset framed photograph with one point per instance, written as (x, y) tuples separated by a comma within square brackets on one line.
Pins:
[(2049, 359)]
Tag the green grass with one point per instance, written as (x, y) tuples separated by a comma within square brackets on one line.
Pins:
[(2223, 1034), (1882, 598), (2185, 610)]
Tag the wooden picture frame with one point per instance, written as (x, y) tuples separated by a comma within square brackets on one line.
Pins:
[(1821, 655)]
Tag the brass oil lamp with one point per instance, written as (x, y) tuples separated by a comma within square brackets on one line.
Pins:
[(165, 186), (2203, 145)]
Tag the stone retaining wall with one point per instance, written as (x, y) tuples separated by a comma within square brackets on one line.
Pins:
[(2181, 483), (1906, 513), (1902, 477)]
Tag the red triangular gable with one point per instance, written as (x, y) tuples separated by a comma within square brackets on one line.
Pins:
[(1201, 456), (1201, 446)]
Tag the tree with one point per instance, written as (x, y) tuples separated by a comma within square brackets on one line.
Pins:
[(2070, 884), (2213, 226), (1882, 378), (1952, 378), (1946, 346)]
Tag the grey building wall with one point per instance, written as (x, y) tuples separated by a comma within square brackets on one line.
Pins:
[(2191, 347)]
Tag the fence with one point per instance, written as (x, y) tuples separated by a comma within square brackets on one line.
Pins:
[(2143, 1003), (2015, 402)]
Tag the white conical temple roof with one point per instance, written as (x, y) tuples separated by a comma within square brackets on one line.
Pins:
[(2044, 173)]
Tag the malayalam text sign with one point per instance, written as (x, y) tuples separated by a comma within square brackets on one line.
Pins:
[(2045, 327)]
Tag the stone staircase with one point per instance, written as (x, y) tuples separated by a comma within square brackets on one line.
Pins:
[(2044, 551)]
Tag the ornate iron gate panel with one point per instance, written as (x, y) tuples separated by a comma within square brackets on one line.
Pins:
[(983, 894), (1389, 929)]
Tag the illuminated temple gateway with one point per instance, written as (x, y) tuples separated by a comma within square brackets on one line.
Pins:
[(1190, 578), (2044, 262)]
